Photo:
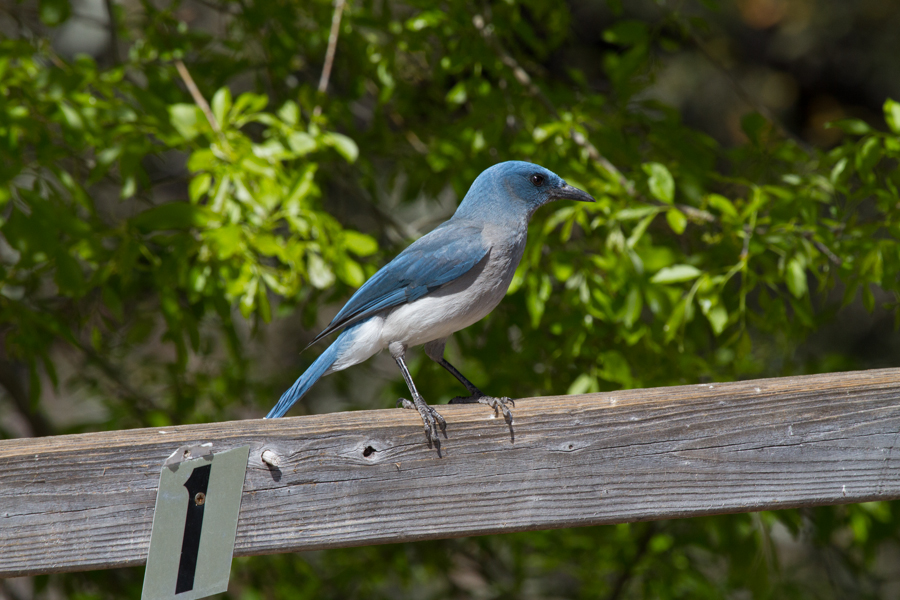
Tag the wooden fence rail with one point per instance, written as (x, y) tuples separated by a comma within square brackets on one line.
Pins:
[(86, 501)]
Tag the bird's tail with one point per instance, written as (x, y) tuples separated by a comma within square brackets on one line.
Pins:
[(308, 379)]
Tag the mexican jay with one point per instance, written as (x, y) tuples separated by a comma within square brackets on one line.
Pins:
[(445, 281)]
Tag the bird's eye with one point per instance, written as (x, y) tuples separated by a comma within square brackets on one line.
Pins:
[(537, 179)]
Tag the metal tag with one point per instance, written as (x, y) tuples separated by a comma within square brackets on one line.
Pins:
[(194, 523)]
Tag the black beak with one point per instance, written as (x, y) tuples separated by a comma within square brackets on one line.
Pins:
[(571, 193)]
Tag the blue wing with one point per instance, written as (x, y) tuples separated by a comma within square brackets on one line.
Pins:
[(435, 259)]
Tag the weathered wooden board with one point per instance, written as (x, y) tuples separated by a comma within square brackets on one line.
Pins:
[(86, 501)]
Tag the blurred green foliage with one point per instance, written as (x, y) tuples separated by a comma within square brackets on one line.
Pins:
[(155, 244)]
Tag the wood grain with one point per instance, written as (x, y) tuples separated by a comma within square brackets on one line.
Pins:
[(86, 501)]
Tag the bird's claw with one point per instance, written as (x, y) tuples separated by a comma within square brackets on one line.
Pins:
[(498, 404), (431, 419)]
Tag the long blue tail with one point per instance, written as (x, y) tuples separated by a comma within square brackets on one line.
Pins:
[(309, 377)]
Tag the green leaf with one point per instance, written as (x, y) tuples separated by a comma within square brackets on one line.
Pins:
[(262, 304), (673, 323), (754, 124), (301, 143), (718, 318), (853, 126), (360, 244), (320, 275), (626, 32), (638, 232), (271, 150), (249, 103), (660, 181), (868, 298), (892, 114), (615, 368), (289, 113), (302, 187), (633, 305), (676, 219), (221, 104), (426, 19), (536, 297), (54, 12), (350, 273), (187, 119), (72, 117), (69, 275), (795, 277), (172, 215), (872, 266), (198, 186), (344, 145), (723, 205), (106, 156), (269, 245), (676, 274), (660, 543), (628, 214), (129, 187), (583, 384), (248, 300), (838, 170), (869, 155), (226, 241), (457, 94)]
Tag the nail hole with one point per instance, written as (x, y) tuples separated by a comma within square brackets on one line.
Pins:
[(369, 451), (571, 446)]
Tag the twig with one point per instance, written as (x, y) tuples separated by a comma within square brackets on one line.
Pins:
[(113, 33), (824, 249), (698, 214), (416, 142), (329, 53), (745, 251), (199, 100)]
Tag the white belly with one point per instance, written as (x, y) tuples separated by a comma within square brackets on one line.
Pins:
[(440, 313)]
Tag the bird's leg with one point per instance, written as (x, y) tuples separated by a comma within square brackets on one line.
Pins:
[(430, 417), (476, 395)]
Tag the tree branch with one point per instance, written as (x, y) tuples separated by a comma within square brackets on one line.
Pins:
[(113, 32), (329, 53), (199, 100)]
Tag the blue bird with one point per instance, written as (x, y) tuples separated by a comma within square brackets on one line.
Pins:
[(443, 282)]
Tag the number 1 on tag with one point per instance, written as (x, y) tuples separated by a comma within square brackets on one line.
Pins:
[(194, 526)]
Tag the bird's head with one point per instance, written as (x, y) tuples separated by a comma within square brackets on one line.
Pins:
[(516, 188)]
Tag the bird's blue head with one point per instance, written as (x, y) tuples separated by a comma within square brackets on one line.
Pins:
[(514, 190)]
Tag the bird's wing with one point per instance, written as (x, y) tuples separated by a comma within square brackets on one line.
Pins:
[(435, 259)]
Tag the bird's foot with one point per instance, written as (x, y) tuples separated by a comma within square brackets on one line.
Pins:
[(498, 404), (431, 418)]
